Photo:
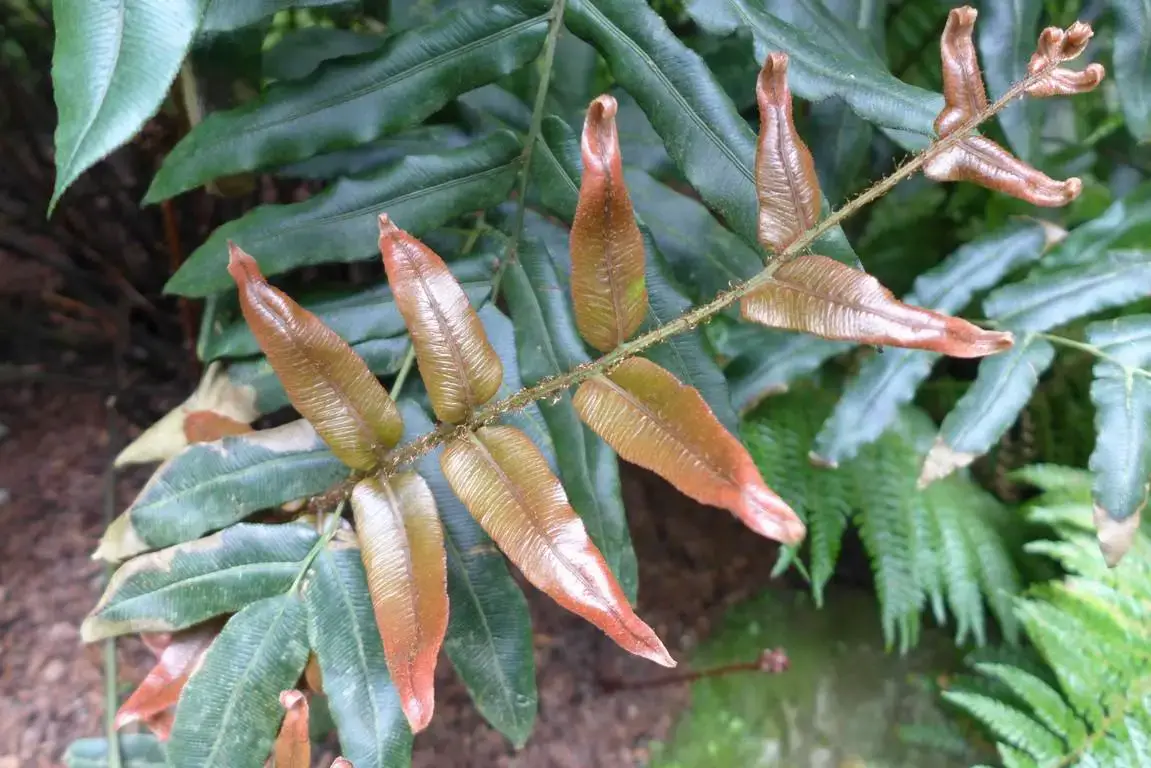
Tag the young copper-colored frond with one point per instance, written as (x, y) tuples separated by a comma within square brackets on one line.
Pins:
[(608, 288), (819, 295), (328, 383), (981, 161), (653, 420), (963, 89), (293, 748), (402, 546), (153, 700), (206, 426), (785, 179), (457, 362), (505, 482), (1057, 46)]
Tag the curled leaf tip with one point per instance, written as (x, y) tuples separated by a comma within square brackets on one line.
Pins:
[(1056, 46), (457, 362), (785, 179), (963, 90), (328, 383), (609, 290)]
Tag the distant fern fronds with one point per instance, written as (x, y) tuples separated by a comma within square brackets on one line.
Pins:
[(1092, 627), (942, 549)]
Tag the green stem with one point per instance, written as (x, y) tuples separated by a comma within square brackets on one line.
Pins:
[(333, 525), (1091, 349), (547, 61), (405, 369)]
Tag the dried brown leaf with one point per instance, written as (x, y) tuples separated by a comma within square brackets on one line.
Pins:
[(819, 295), (1055, 47), (963, 89), (293, 748), (608, 288), (154, 700), (785, 180)]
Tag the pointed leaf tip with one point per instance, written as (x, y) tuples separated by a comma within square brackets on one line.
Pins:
[(402, 546), (1115, 536), (785, 179), (653, 420), (506, 485), (609, 290), (819, 295), (293, 748), (457, 362), (328, 383)]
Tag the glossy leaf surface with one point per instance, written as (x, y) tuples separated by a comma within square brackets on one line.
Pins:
[(327, 383), (160, 690), (229, 711), (607, 252), (339, 224), (1055, 47), (821, 296), (489, 638), (505, 483), (1132, 59), (402, 546), (352, 101), (653, 420), (705, 135), (228, 15), (428, 139), (293, 748), (963, 91), (342, 632), (181, 586), (112, 66), (457, 362), (1121, 461), (302, 51), (548, 344), (988, 409), (208, 486), (785, 179)]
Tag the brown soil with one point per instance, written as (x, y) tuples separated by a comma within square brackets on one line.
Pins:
[(694, 561)]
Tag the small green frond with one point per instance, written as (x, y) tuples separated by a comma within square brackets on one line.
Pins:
[(1010, 725)]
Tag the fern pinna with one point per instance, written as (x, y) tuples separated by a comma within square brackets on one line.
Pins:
[(252, 525)]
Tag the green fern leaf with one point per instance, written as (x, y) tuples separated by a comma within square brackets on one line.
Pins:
[(1045, 701), (1011, 725)]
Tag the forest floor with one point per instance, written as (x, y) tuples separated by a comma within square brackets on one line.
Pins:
[(694, 562)]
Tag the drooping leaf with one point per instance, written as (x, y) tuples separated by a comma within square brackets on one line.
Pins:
[(607, 250), (821, 296), (229, 711), (293, 748), (326, 382), (1055, 47), (160, 690), (457, 362), (112, 66), (402, 545), (829, 58), (208, 486), (216, 396), (137, 750), (489, 638), (785, 180), (302, 51), (653, 420), (1006, 40), (703, 132), (181, 586), (505, 483), (228, 15), (342, 631), (1121, 461), (1133, 64), (548, 344), (1050, 298), (339, 224), (989, 408), (358, 314), (353, 101), (685, 354)]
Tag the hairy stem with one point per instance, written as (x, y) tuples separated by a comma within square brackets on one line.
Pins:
[(546, 62)]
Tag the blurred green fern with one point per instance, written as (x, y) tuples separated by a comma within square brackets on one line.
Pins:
[(946, 549), (1092, 628)]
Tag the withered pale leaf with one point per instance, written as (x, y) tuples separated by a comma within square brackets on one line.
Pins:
[(325, 380), (963, 89), (178, 657), (1055, 47), (457, 362), (402, 546), (819, 295), (653, 420), (504, 481), (293, 748), (785, 180), (609, 292)]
